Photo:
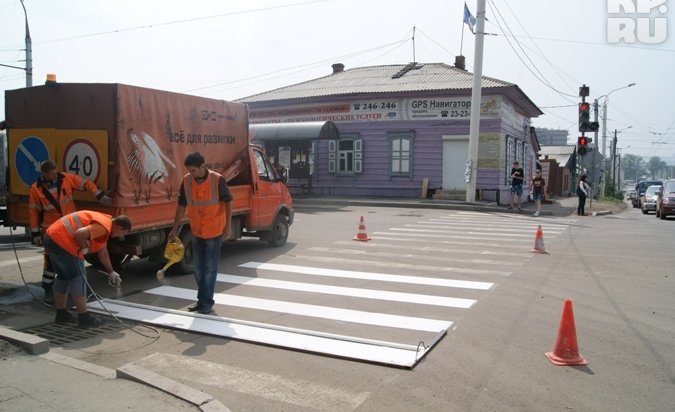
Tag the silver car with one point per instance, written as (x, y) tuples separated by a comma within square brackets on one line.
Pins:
[(648, 201)]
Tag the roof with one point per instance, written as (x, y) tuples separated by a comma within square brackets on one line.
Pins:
[(561, 154), (380, 79), (557, 150)]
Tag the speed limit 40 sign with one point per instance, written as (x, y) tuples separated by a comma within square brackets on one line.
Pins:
[(82, 158)]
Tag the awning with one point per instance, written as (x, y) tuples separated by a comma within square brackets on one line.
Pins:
[(294, 131)]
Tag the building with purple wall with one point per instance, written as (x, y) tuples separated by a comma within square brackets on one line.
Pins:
[(400, 125)]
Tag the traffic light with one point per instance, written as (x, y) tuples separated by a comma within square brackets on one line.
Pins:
[(582, 142), (585, 123), (584, 116)]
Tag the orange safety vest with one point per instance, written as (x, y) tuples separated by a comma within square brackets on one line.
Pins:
[(41, 209), (204, 208), (62, 232)]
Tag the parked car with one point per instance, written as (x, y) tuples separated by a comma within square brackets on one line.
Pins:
[(665, 200), (641, 188), (648, 199)]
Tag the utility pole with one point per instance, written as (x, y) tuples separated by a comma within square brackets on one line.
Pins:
[(474, 125), (613, 155)]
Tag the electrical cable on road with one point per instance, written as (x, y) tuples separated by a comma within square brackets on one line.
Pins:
[(94, 294)]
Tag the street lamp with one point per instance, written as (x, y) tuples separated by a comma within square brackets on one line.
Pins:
[(604, 115), (29, 53)]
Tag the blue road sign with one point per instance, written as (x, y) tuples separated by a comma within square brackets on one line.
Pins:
[(30, 153)]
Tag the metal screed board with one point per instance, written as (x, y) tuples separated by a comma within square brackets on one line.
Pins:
[(388, 353)]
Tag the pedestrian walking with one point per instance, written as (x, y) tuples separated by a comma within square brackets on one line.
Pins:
[(517, 178), (49, 199), (538, 190), (205, 198), (582, 192), (66, 242)]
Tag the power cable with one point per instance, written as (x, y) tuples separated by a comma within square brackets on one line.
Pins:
[(189, 20), (95, 295), (555, 69), (542, 79)]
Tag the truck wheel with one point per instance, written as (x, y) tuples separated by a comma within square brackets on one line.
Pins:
[(279, 231), (185, 266)]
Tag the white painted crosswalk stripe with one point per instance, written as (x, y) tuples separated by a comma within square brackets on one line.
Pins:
[(316, 311), (384, 277), (435, 248), (348, 291), (408, 266), (442, 239), (448, 259), (492, 235), (483, 228)]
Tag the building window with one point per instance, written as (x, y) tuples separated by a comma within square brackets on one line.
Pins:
[(345, 156), (401, 154)]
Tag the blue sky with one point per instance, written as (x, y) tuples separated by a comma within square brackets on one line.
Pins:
[(231, 49)]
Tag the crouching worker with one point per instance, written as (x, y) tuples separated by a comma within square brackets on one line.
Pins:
[(67, 241)]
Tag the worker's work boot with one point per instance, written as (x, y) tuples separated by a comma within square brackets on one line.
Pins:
[(87, 320)]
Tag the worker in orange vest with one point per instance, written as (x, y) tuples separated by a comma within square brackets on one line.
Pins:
[(205, 198), (66, 242), (50, 198)]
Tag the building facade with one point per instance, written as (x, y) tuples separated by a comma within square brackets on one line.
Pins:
[(402, 128)]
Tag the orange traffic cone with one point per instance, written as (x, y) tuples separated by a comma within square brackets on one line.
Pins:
[(362, 235), (566, 351), (539, 242)]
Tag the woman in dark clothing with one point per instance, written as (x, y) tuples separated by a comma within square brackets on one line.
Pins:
[(582, 192)]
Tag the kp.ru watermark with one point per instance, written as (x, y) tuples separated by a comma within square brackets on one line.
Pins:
[(637, 21)]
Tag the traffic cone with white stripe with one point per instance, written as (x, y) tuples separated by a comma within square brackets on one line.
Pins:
[(362, 236), (539, 242)]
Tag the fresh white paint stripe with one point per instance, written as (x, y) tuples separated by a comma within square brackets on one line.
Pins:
[(449, 259), (523, 217), (12, 262), (442, 239), (314, 311), (384, 277), (347, 291), (389, 353), (492, 235), (493, 226), (408, 266), (278, 389), (431, 249), (498, 223)]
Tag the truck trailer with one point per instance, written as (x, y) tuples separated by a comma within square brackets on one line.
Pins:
[(132, 142)]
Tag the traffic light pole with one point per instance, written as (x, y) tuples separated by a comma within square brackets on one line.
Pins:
[(601, 185)]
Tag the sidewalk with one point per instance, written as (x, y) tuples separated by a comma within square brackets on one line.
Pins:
[(558, 206)]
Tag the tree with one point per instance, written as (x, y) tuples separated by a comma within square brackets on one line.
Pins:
[(633, 166), (656, 165)]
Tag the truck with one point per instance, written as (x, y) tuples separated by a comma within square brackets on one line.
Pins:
[(132, 142)]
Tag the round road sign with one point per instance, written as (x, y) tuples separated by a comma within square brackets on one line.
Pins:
[(81, 158), (30, 153)]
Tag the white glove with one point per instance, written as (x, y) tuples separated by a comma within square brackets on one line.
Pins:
[(114, 279), (85, 251), (106, 201)]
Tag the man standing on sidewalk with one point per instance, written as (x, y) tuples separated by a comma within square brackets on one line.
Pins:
[(207, 200), (50, 198), (66, 242), (538, 189), (517, 176)]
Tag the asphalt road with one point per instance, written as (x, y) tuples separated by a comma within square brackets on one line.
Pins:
[(617, 269)]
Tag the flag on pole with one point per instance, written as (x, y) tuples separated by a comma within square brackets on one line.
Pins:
[(469, 19)]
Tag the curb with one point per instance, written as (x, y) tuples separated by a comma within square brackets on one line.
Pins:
[(32, 344), (202, 400), (40, 347)]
